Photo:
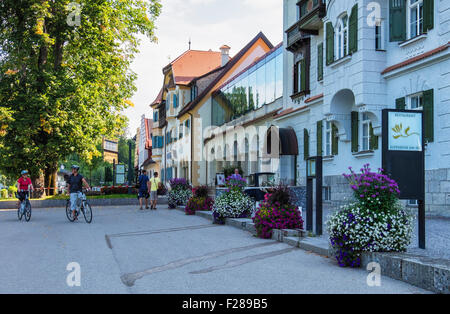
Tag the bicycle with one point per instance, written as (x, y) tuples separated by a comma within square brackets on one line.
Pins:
[(24, 207), (83, 206)]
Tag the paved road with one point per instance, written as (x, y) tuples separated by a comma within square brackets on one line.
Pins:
[(127, 251)]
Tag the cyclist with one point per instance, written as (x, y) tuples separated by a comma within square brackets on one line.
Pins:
[(75, 187), (24, 185)]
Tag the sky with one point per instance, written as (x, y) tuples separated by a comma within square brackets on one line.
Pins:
[(209, 24)]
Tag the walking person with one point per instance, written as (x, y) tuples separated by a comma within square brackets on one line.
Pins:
[(144, 189), (75, 185), (155, 183)]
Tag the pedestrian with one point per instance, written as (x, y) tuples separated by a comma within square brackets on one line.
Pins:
[(236, 174), (155, 184), (143, 189)]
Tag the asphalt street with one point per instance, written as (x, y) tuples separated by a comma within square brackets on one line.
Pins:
[(125, 250)]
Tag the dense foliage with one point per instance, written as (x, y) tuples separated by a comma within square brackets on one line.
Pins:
[(180, 192), (235, 182), (277, 212), (199, 201), (376, 222), (65, 77), (232, 204)]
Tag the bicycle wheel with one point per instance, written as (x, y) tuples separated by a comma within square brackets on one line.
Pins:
[(69, 212), (87, 212), (28, 212), (19, 213)]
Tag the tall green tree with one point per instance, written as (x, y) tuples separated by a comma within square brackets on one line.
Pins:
[(65, 76)]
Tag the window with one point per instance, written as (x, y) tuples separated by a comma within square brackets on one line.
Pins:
[(194, 91), (341, 39), (155, 116), (188, 126), (415, 102), (300, 76), (181, 131), (415, 18), (365, 125), (328, 139), (175, 100), (379, 36), (326, 192)]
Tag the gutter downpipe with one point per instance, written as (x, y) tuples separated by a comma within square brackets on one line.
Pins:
[(192, 144)]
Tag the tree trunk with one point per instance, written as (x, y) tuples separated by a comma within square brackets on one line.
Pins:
[(50, 174), (38, 183)]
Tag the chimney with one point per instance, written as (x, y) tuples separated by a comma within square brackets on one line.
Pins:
[(225, 50)]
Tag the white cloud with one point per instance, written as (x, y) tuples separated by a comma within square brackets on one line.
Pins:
[(210, 24)]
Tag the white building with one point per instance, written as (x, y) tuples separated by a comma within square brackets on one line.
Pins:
[(353, 58)]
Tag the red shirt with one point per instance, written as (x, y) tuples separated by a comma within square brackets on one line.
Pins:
[(24, 183)]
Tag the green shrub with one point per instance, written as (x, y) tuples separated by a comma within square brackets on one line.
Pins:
[(4, 193)]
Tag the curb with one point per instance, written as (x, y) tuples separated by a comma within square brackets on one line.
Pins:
[(62, 203), (423, 272)]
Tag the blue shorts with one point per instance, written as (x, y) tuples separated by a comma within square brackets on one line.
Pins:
[(144, 194)]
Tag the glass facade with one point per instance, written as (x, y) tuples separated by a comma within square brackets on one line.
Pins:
[(259, 85)]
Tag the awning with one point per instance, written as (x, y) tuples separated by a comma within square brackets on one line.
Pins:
[(287, 140)]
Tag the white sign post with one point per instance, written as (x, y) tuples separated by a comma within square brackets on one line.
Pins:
[(405, 131)]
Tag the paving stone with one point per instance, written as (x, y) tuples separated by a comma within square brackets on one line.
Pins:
[(292, 241), (277, 235), (318, 246), (442, 280), (418, 274), (237, 222), (391, 264)]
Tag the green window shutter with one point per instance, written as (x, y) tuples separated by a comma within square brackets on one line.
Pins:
[(355, 132), (305, 144), (428, 112), (428, 15), (303, 75), (335, 140), (400, 103), (319, 138), (320, 62), (373, 139), (353, 30), (397, 20), (296, 69), (330, 43)]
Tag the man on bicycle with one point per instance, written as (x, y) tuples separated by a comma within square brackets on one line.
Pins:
[(75, 187), (24, 185)]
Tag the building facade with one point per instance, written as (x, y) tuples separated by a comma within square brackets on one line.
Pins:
[(344, 62), (208, 112), (144, 144), (171, 135)]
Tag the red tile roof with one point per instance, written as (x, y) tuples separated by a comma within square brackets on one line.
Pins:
[(158, 99), (193, 63), (311, 99), (289, 111), (417, 58)]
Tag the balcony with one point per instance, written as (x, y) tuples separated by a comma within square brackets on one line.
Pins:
[(295, 38), (311, 13), (162, 115)]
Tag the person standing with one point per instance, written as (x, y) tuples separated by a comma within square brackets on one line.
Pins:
[(155, 183), (143, 189), (75, 187)]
